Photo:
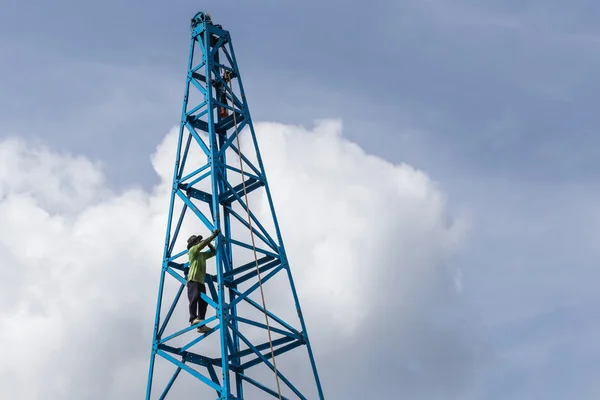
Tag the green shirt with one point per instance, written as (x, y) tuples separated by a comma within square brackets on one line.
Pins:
[(198, 262)]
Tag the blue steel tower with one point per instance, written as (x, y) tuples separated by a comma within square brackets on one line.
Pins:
[(211, 190)]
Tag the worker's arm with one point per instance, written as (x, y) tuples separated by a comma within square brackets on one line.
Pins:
[(206, 241), (212, 252), (202, 244)]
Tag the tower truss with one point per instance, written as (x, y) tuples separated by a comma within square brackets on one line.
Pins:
[(216, 185)]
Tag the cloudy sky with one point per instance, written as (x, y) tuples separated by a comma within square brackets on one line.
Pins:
[(449, 153)]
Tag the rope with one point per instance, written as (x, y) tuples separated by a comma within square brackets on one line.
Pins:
[(262, 294)]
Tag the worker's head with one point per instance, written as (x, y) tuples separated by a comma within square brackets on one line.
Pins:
[(193, 240)]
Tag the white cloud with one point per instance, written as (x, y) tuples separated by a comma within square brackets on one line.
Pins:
[(368, 242)]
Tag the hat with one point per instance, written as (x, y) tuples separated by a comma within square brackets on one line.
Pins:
[(192, 239)]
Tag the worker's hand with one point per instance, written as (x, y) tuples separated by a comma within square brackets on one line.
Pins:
[(216, 232)]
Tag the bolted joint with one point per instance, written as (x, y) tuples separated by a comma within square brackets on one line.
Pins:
[(224, 313), (219, 164), (302, 337), (284, 260)]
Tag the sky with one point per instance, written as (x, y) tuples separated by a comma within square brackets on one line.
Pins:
[(470, 124)]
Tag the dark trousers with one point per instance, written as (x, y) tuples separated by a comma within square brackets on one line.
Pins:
[(197, 305)]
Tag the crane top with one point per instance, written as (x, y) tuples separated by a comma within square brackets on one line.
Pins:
[(199, 18)]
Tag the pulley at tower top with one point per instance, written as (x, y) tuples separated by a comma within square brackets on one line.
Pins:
[(201, 17)]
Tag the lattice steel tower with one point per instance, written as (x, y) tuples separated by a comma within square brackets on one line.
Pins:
[(222, 187)]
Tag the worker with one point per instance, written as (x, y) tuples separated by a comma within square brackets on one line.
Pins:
[(195, 277)]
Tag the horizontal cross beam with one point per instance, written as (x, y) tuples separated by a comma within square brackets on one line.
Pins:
[(227, 123), (191, 357), (260, 347), (246, 267), (254, 273), (230, 195), (198, 194), (268, 355)]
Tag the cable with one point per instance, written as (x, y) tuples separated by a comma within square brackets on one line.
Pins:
[(262, 294)]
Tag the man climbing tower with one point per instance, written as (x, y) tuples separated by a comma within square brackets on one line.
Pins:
[(196, 274)]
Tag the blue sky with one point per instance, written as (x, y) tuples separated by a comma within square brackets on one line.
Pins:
[(495, 100)]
